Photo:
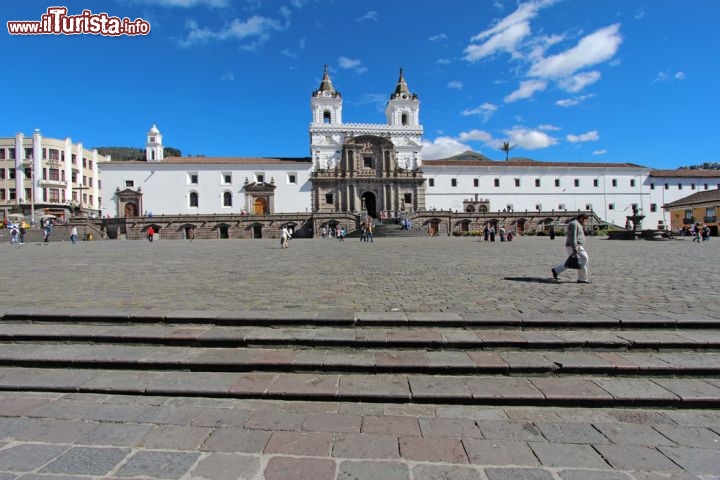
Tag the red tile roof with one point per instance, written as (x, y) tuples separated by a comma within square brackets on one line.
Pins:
[(686, 173), (234, 160)]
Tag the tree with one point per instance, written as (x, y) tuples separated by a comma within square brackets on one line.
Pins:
[(506, 147)]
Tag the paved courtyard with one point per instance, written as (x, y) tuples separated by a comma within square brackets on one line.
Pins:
[(442, 274), (61, 436)]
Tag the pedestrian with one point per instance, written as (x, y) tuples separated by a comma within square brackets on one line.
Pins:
[(705, 233), (502, 234), (552, 232), (22, 234), (14, 232), (285, 235), (575, 244), (696, 233), (369, 232), (73, 235), (47, 231), (492, 233), (150, 233)]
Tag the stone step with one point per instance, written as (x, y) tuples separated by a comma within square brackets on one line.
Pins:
[(365, 337), (456, 362), (351, 319), (577, 391)]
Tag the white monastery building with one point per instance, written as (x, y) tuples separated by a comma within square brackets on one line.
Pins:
[(357, 168)]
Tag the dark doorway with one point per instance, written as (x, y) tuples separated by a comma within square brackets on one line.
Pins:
[(368, 201), (131, 210), (224, 231), (257, 230)]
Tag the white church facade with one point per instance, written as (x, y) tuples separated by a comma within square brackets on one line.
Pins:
[(353, 169), (378, 170)]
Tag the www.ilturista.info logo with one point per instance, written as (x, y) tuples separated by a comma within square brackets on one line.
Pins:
[(57, 22)]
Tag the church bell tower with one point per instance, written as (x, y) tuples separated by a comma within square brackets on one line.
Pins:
[(154, 146)]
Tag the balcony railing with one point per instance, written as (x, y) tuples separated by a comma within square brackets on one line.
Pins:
[(688, 221), (709, 219), (52, 183)]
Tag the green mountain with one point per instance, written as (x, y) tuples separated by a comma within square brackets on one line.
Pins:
[(124, 154)]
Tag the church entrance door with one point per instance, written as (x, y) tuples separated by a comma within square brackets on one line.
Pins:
[(368, 201), (131, 210), (260, 206)]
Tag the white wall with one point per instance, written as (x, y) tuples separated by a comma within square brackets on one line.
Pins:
[(548, 196), (166, 188)]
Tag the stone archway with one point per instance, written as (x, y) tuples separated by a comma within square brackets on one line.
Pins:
[(369, 204), (131, 210)]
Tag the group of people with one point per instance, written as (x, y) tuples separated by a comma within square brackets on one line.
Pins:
[(700, 233), (366, 230), (17, 234), (333, 232), (489, 234)]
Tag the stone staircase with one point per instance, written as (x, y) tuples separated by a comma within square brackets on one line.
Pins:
[(388, 357), (391, 229)]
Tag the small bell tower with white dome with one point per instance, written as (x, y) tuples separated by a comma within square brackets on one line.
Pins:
[(154, 146)]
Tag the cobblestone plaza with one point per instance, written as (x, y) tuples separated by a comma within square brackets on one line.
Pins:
[(76, 422)]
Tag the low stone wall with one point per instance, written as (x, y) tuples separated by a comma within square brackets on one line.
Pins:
[(307, 225)]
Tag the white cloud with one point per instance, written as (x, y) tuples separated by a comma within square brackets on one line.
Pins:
[(585, 137), (579, 81), (668, 76), (592, 49), (507, 33), (444, 61), (526, 89), (639, 14), (456, 85), (443, 147), (475, 136), (351, 64), (506, 40), (438, 38), (255, 28), (377, 99), (529, 139), (571, 102), (548, 128), (288, 53), (486, 110), (228, 77), (185, 3), (599, 152), (372, 15)]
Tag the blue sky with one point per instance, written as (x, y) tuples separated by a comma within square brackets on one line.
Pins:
[(562, 80)]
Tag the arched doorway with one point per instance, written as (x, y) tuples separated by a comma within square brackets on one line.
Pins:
[(260, 206), (131, 210), (257, 229), (368, 202)]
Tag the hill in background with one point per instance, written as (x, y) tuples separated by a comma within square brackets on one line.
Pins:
[(704, 166), (124, 154)]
